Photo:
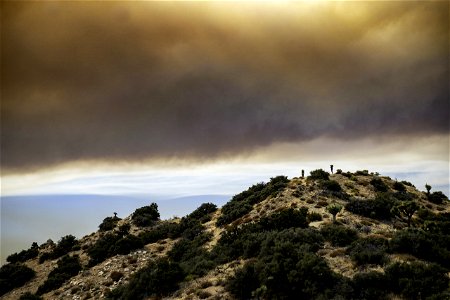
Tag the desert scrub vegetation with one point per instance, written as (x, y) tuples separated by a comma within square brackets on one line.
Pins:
[(112, 244), (30, 296), (109, 223), (379, 185), (65, 245), (417, 280), (370, 250), (146, 215), (188, 227), (68, 266), (24, 255), (243, 203), (283, 272), (437, 197), (13, 275), (424, 245), (378, 208), (338, 235), (157, 279), (318, 174)]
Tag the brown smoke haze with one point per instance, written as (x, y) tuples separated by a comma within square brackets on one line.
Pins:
[(131, 81)]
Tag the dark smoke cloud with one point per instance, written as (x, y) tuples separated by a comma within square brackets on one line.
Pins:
[(156, 80)]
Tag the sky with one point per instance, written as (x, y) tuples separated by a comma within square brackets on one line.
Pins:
[(181, 99)]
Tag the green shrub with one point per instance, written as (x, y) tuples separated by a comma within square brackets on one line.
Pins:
[(331, 185), (112, 244), (243, 203), (362, 172), (145, 216), (285, 219), (14, 275), (124, 229), (64, 246), (431, 247), (378, 208), (157, 279), (313, 216), (370, 286), (407, 183), (369, 250), (244, 282), (203, 212), (338, 235), (398, 186), (334, 209), (416, 280), (30, 296), (109, 223), (285, 272), (319, 174), (68, 266), (437, 197), (24, 255), (158, 232), (379, 185)]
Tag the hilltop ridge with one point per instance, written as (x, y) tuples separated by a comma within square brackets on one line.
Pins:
[(325, 236)]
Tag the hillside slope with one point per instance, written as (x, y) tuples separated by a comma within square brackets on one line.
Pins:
[(328, 236)]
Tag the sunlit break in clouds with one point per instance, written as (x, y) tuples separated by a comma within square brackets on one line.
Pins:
[(122, 88)]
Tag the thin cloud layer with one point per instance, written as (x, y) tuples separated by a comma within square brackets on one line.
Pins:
[(157, 80)]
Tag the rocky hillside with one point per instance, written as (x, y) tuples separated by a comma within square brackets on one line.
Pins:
[(326, 236)]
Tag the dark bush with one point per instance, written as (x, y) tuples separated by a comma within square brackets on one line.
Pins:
[(124, 229), (362, 172), (157, 233), (109, 223), (407, 183), (30, 296), (243, 203), (251, 239), (331, 185), (24, 255), (379, 185), (158, 278), (319, 174), (68, 266), (14, 275), (285, 219), (64, 246), (338, 235), (431, 247), (112, 244), (416, 280), (378, 208), (437, 197), (284, 272), (127, 244), (203, 212), (369, 250), (145, 216), (244, 282), (313, 216), (370, 286), (398, 186)]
